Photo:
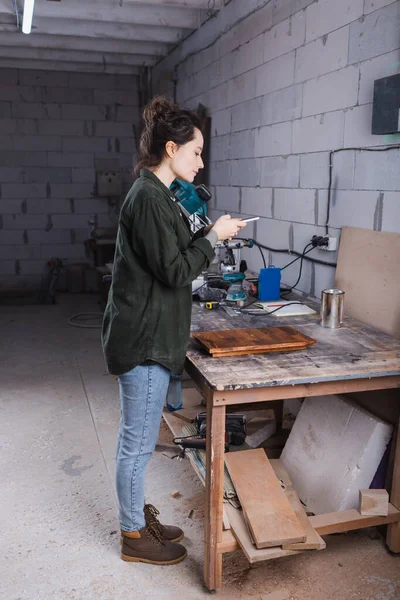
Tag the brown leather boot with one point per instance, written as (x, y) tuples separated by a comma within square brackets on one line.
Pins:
[(148, 546), (168, 532)]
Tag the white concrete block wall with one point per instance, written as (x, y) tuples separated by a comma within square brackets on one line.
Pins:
[(286, 85), (55, 130)]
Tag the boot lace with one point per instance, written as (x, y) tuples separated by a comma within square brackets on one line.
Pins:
[(154, 534), (151, 514)]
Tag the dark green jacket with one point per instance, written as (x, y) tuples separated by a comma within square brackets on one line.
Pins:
[(149, 304)]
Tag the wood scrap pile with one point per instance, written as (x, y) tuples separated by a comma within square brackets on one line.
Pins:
[(272, 521)]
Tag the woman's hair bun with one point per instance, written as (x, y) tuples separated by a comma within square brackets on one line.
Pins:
[(158, 107)]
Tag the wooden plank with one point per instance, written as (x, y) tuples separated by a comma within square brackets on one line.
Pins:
[(367, 256), (191, 401), (313, 540), (393, 533), (215, 445), (347, 520), (228, 543), (374, 502), (251, 340), (268, 513), (242, 535)]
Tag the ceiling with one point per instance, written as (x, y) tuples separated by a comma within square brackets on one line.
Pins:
[(112, 36)]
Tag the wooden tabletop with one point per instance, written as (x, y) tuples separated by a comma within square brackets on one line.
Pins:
[(355, 351)]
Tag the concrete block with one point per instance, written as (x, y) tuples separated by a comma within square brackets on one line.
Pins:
[(5, 110), (22, 222), (372, 5), (48, 206), (91, 206), (324, 278), (242, 144), (325, 16), (324, 55), (273, 233), (33, 267), (37, 143), (7, 142), (245, 172), (128, 114), (273, 140), (282, 9), (275, 75), (84, 144), (22, 159), (246, 115), (124, 97), (21, 93), (285, 37), (51, 175), (125, 145), (333, 450), (7, 267), (357, 128), (220, 172), (113, 129), (353, 208), (242, 88), (221, 122), (71, 190), (377, 170), (67, 95), (376, 68), (51, 237), (227, 198), (70, 159), (75, 221), (83, 176), (74, 112), (15, 252), (11, 174), (295, 205), (256, 202), (248, 56), (9, 77), (343, 170), (12, 206), (301, 236), (220, 148), (18, 126), (315, 134), (331, 92), (258, 22), (35, 110), (10, 237), (391, 212), (375, 34), (59, 127), (96, 81), (66, 252), (25, 282), (280, 171), (283, 105), (31, 77), (23, 190), (314, 170)]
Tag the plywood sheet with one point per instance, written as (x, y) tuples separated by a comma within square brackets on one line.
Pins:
[(267, 511), (368, 270)]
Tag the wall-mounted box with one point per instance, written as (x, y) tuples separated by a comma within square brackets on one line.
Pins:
[(109, 183), (386, 107)]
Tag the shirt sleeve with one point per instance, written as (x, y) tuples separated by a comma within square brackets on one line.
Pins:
[(154, 239)]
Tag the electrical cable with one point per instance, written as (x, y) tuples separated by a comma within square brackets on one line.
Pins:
[(287, 251), (331, 155), (262, 256), (262, 313), (300, 270), (84, 317)]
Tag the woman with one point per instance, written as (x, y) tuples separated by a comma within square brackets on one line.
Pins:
[(147, 319)]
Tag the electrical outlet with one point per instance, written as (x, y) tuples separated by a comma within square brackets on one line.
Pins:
[(331, 245)]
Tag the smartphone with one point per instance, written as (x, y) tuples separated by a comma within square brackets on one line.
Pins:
[(250, 219)]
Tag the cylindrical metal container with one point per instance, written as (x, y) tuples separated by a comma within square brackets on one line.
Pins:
[(332, 305)]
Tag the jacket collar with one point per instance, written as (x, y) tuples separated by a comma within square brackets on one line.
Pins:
[(150, 175)]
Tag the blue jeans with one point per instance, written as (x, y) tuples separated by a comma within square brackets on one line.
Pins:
[(142, 392)]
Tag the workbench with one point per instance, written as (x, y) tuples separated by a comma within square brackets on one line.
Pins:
[(354, 358)]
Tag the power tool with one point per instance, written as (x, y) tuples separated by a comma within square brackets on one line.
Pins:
[(235, 432)]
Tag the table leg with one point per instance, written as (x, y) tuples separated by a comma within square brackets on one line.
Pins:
[(393, 531), (215, 443)]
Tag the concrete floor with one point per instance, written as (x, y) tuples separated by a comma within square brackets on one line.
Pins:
[(59, 416)]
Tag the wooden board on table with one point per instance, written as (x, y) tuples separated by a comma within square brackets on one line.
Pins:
[(368, 272), (242, 535), (251, 341), (268, 513), (313, 540)]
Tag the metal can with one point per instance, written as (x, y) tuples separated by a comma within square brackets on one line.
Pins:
[(332, 307)]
